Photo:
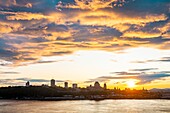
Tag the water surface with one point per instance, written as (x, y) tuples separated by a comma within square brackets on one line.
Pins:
[(86, 106)]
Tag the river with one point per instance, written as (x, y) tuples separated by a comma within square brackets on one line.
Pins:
[(86, 106)]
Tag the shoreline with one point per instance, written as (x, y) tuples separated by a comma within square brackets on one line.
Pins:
[(60, 94), (87, 99)]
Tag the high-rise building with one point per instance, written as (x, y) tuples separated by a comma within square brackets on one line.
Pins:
[(105, 86), (27, 84), (74, 86), (52, 83), (65, 84)]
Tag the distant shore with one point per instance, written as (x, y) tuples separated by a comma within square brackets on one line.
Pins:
[(88, 99), (67, 98), (58, 94)]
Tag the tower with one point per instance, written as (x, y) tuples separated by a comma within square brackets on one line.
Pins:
[(105, 86), (52, 83), (27, 84), (74, 86), (65, 84)]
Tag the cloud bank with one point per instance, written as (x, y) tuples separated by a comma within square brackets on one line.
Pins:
[(32, 29), (144, 78)]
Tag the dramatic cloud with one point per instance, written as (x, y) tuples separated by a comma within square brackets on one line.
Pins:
[(143, 78), (21, 81), (32, 29), (149, 78), (124, 73), (32, 80), (147, 69), (163, 59)]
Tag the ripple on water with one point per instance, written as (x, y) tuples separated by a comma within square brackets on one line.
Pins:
[(85, 106)]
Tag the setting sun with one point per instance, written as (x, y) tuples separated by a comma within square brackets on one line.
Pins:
[(91, 56), (131, 84)]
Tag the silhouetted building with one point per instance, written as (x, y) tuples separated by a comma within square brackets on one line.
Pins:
[(44, 85), (74, 86), (52, 83), (97, 85), (27, 84), (105, 86), (65, 84)]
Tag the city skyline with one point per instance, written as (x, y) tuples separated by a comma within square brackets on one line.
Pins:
[(95, 86), (124, 43)]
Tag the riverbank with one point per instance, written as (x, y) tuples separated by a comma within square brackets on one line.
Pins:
[(58, 93)]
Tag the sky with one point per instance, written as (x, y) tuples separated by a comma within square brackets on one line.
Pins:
[(124, 43)]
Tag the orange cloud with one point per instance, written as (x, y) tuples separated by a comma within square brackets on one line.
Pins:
[(25, 16), (107, 18), (90, 4), (7, 27), (141, 34), (35, 32)]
